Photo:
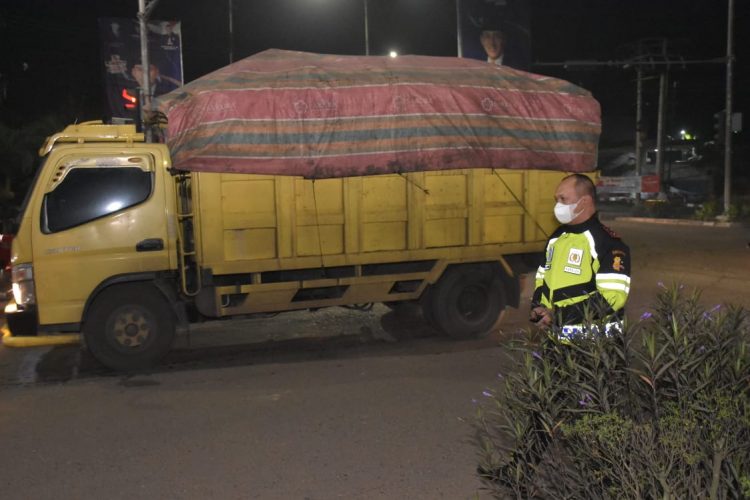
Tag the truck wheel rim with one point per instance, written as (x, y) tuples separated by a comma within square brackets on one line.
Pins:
[(132, 327)]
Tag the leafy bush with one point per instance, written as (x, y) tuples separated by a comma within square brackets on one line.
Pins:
[(711, 209), (707, 210), (739, 210), (659, 410)]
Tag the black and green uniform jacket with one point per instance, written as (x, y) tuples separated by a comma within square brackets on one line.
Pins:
[(586, 266)]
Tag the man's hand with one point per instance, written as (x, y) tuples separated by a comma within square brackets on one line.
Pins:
[(541, 316)]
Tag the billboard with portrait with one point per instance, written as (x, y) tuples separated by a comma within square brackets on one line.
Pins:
[(497, 31), (121, 62)]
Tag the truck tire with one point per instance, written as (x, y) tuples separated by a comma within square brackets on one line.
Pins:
[(129, 327), (406, 309), (467, 301), (425, 302)]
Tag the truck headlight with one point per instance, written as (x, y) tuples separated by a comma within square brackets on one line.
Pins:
[(23, 285)]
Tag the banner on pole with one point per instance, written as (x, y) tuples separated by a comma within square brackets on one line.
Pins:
[(608, 187), (121, 62), (497, 31)]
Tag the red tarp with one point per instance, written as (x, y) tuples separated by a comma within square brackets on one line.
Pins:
[(296, 113)]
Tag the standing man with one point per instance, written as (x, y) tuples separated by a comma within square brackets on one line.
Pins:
[(587, 266), (493, 42)]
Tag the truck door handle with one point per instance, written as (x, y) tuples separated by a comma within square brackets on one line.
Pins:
[(150, 245)]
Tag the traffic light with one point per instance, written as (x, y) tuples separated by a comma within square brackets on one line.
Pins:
[(719, 127), (129, 96)]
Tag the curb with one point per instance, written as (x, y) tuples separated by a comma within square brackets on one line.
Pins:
[(38, 341), (681, 222)]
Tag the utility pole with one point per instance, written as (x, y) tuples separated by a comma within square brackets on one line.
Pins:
[(143, 14), (367, 30), (652, 55), (660, 131), (231, 32), (728, 110), (638, 128), (459, 33)]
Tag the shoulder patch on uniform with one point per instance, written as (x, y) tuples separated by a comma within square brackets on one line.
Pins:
[(617, 263)]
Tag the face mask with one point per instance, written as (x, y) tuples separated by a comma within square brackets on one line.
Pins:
[(566, 213)]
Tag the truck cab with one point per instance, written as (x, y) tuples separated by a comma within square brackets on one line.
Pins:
[(98, 214)]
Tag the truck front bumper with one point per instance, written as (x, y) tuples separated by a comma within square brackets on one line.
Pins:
[(21, 330)]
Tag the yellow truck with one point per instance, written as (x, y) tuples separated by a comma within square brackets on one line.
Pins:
[(294, 181), (115, 244)]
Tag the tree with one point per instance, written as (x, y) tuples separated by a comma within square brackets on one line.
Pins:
[(18, 159)]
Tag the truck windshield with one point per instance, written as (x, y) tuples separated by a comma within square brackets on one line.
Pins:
[(86, 194)]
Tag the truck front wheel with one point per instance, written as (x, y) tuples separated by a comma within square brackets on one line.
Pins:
[(467, 302), (129, 327)]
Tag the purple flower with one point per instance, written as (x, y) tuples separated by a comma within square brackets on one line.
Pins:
[(487, 394), (702, 349), (586, 399), (500, 376), (646, 315), (708, 313), (536, 355), (661, 285)]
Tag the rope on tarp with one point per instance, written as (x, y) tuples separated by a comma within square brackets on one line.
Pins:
[(523, 206), (411, 181), (317, 227)]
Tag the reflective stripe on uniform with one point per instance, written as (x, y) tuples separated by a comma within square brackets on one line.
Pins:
[(613, 281), (592, 244), (614, 277), (569, 332), (573, 300), (614, 286), (539, 273)]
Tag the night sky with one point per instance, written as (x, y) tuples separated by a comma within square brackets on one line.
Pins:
[(49, 53)]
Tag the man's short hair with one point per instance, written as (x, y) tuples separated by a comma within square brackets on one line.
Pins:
[(584, 185), (491, 31)]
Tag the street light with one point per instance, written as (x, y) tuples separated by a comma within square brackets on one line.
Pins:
[(393, 54)]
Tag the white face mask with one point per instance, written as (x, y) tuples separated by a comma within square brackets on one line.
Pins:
[(566, 213)]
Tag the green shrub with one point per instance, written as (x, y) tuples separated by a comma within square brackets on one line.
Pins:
[(707, 210), (659, 410), (657, 208), (739, 210), (735, 210)]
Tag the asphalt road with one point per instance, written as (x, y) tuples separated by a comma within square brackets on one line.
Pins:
[(332, 404)]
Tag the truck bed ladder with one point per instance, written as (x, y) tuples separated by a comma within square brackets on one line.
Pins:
[(190, 272)]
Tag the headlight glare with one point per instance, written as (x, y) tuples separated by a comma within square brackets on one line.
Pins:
[(23, 285)]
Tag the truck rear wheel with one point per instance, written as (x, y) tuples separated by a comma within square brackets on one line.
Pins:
[(129, 327), (426, 303), (467, 302)]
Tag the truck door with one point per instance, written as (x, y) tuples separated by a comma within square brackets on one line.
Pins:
[(101, 216)]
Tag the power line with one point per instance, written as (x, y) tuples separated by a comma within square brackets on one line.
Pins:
[(632, 63)]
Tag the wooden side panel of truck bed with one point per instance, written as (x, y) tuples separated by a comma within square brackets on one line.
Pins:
[(255, 223)]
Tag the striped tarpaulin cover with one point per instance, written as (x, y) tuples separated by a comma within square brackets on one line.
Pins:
[(317, 116)]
